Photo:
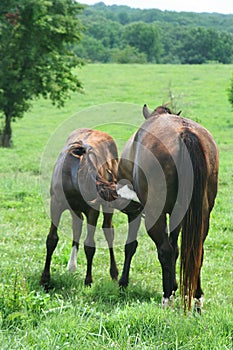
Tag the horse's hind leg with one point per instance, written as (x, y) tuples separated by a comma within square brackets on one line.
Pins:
[(77, 222), (89, 244), (130, 247), (173, 237), (199, 295), (51, 241), (207, 208), (165, 254), (109, 235)]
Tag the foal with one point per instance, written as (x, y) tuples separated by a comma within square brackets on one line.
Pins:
[(88, 159)]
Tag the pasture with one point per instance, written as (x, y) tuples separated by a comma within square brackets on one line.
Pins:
[(72, 316)]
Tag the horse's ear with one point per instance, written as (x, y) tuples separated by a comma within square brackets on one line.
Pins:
[(146, 112)]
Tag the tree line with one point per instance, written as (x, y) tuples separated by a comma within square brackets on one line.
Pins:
[(42, 42), (125, 35)]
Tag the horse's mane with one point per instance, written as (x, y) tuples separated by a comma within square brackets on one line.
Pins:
[(163, 109)]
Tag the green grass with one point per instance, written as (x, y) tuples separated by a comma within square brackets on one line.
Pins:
[(102, 317)]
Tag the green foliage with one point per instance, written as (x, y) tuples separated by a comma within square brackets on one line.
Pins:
[(230, 91), (18, 303), (35, 59), (163, 36), (106, 31), (145, 38), (206, 20), (200, 45), (92, 49), (128, 54), (71, 316), (101, 36)]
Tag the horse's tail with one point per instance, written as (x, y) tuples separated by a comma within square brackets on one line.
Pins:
[(192, 224)]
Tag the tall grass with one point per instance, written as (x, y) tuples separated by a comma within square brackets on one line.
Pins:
[(71, 316)]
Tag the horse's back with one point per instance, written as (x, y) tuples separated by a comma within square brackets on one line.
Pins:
[(166, 131), (155, 152)]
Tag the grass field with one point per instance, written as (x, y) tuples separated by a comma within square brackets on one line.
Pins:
[(71, 316)]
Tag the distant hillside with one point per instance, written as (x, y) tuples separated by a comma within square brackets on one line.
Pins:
[(123, 34), (127, 15)]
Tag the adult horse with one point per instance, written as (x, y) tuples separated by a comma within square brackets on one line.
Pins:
[(172, 164), (88, 159)]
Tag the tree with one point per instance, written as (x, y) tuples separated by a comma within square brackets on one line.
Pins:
[(106, 31), (145, 37), (128, 55), (223, 48), (35, 55), (200, 45), (92, 50), (196, 45), (230, 91)]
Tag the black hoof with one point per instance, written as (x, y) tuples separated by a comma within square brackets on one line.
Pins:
[(114, 274), (44, 281), (123, 283), (88, 282)]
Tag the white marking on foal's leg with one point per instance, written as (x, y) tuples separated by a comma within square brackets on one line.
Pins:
[(72, 264)]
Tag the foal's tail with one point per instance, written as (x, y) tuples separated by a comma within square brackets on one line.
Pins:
[(192, 224)]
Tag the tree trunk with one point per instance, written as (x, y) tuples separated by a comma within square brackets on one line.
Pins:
[(6, 133)]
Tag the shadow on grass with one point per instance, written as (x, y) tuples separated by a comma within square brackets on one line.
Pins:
[(105, 292)]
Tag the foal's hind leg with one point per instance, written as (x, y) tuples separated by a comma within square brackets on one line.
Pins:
[(109, 235), (77, 222), (51, 243), (89, 244), (52, 240)]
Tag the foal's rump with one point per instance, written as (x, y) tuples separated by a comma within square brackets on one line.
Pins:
[(87, 156)]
